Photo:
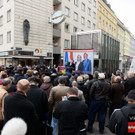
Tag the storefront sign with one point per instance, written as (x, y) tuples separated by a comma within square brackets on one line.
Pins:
[(3, 53)]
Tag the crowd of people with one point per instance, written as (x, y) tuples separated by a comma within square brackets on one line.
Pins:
[(41, 95)]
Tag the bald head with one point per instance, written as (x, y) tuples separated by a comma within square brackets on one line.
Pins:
[(23, 85), (117, 79)]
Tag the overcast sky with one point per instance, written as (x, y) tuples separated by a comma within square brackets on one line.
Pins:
[(125, 11)]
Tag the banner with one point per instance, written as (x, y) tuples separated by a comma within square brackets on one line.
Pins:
[(40, 52), (83, 60)]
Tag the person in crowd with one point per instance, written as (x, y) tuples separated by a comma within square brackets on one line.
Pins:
[(71, 65), (15, 126), (117, 93), (95, 78), (80, 93), (10, 70), (129, 82), (38, 97), (79, 64), (3, 76), (71, 114), (86, 64), (12, 89), (28, 74), (119, 119), (6, 83), (17, 105), (86, 79), (18, 75), (54, 79), (55, 97), (54, 69), (46, 85), (98, 93)]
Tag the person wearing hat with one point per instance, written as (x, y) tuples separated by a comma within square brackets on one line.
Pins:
[(120, 117), (99, 91)]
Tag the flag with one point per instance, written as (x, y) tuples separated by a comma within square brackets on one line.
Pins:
[(66, 58), (71, 55)]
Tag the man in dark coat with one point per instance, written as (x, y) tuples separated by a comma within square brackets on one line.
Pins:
[(99, 91), (18, 105), (130, 82), (117, 92), (71, 114), (38, 97), (120, 117)]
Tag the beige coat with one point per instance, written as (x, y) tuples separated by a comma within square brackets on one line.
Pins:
[(3, 94), (56, 95)]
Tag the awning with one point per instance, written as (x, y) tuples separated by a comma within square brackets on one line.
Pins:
[(25, 57)]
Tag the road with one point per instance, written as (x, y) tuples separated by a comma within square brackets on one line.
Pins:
[(96, 130)]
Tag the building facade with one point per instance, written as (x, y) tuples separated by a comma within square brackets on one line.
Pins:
[(121, 38), (37, 30), (81, 16), (106, 18)]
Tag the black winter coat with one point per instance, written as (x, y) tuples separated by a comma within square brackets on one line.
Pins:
[(129, 85), (38, 97), (18, 105), (71, 115), (119, 121)]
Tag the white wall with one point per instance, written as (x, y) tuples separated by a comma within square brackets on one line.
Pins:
[(7, 26), (37, 12)]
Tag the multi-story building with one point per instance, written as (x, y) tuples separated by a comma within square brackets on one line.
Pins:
[(81, 16), (121, 38), (132, 45), (30, 19), (106, 18)]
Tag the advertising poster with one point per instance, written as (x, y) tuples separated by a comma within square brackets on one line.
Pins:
[(40, 52), (83, 60)]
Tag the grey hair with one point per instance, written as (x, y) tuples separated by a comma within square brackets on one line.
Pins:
[(6, 81)]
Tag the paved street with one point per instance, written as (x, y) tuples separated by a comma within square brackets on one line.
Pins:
[(96, 131)]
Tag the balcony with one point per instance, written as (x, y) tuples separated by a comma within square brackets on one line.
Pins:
[(57, 2), (56, 33)]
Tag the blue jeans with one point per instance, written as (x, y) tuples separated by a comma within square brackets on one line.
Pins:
[(54, 124), (100, 107)]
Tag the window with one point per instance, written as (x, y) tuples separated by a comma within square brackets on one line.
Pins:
[(89, 11), (106, 27), (75, 29), (99, 22), (103, 11), (109, 29), (1, 3), (83, 6), (1, 20), (94, 26), (89, 24), (94, 15), (9, 37), (66, 27), (82, 20), (76, 2), (106, 14), (66, 43), (8, 15), (94, 3), (75, 16), (67, 11), (99, 8), (1, 39)]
